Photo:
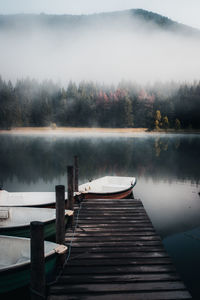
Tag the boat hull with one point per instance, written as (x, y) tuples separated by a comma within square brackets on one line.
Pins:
[(46, 205), (113, 195), (20, 276), (24, 231)]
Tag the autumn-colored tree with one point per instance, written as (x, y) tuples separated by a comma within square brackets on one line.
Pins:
[(156, 123), (165, 122), (177, 124), (158, 118)]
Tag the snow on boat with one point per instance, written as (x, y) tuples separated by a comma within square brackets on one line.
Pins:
[(15, 221), (108, 187), (31, 199), (15, 261)]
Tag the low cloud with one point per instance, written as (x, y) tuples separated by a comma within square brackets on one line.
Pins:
[(100, 51)]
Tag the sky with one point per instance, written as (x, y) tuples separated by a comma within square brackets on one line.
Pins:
[(183, 11)]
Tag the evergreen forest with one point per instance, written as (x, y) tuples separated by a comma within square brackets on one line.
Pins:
[(88, 104)]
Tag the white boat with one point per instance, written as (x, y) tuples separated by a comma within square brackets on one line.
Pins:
[(108, 187), (31, 199), (15, 261), (15, 221)]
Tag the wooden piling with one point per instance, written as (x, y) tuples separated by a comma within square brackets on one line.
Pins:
[(60, 214), (70, 179), (37, 284), (76, 171)]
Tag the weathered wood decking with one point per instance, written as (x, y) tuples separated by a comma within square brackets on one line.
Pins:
[(116, 254)]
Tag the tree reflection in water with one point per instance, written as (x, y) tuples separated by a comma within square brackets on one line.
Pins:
[(31, 158)]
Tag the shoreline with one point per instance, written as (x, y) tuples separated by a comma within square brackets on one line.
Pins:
[(85, 130)]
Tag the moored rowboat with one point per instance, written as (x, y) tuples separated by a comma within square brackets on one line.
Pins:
[(15, 221), (108, 187), (30, 199), (15, 261)]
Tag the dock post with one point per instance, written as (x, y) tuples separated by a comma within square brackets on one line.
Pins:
[(60, 214), (76, 173), (37, 284), (70, 179)]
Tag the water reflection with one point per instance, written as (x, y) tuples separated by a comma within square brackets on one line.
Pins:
[(173, 206), (30, 159)]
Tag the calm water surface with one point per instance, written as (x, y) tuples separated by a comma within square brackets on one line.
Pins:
[(167, 168)]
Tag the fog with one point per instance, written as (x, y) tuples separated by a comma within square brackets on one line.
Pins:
[(103, 51)]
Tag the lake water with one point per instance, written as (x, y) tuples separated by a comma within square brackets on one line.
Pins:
[(167, 168)]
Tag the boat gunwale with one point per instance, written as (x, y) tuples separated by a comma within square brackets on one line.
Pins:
[(111, 193), (45, 205), (23, 265), (28, 261), (23, 226)]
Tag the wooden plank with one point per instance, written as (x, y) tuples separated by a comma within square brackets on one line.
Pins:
[(119, 269), (122, 239), (118, 261), (133, 201), (118, 249), (118, 255), (116, 244), (119, 287), (77, 278), (112, 217), (115, 226), (108, 209), (94, 211), (111, 203), (113, 229), (113, 212), (118, 222), (161, 295), (108, 234)]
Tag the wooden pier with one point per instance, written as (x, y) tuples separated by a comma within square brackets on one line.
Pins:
[(115, 253)]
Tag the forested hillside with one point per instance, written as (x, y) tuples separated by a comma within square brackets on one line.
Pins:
[(137, 45), (134, 17), (30, 103)]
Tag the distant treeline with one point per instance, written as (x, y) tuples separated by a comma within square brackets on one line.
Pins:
[(30, 103)]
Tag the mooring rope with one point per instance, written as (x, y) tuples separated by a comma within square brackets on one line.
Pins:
[(69, 249), (37, 293), (74, 232)]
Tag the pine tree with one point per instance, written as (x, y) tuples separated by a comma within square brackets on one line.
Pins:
[(128, 113)]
